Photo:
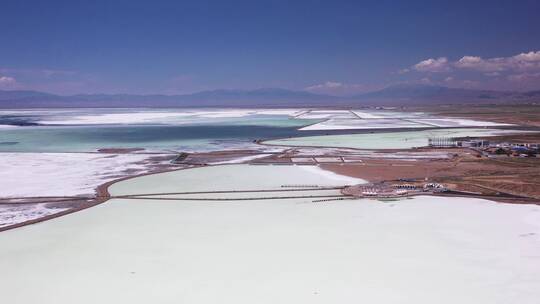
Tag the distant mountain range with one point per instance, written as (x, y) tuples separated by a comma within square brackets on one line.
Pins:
[(399, 95)]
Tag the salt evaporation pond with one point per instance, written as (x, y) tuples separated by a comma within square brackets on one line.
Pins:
[(83, 130), (157, 138), (421, 250), (386, 140)]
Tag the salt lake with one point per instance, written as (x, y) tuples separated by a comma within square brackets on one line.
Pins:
[(274, 251), (83, 130), (277, 247)]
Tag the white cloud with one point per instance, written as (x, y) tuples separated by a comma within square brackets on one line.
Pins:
[(432, 65), (338, 88), (41, 73), (326, 85), (530, 56), (480, 64), (522, 62), (516, 72), (6, 81), (54, 81)]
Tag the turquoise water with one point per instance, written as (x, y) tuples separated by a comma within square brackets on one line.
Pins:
[(82, 130), (385, 140), (178, 133), (79, 139)]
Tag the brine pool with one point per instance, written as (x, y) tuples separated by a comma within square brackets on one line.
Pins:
[(421, 250), (386, 140), (84, 130)]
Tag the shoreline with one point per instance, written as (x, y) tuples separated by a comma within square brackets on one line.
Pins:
[(101, 196), (367, 173), (520, 131), (371, 170)]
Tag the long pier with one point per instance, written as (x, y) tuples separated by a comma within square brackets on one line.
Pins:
[(234, 198), (285, 188)]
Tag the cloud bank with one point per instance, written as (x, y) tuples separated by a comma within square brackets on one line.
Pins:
[(520, 71), (433, 65), (519, 63)]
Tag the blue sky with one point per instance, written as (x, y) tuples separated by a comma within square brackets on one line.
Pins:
[(335, 47)]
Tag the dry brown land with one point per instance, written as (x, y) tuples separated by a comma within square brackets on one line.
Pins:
[(489, 176), (518, 138), (485, 176)]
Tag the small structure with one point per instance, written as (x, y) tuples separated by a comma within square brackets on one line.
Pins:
[(387, 190), (402, 192), (434, 187), (405, 186), (442, 142), (473, 143), (369, 193)]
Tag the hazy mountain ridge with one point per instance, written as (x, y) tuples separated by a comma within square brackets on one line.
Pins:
[(435, 93), (268, 97)]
